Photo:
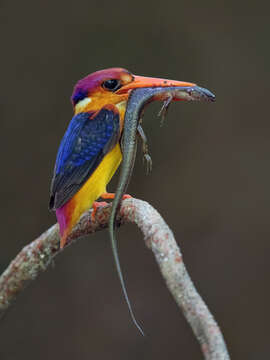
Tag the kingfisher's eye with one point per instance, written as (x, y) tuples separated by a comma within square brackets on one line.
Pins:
[(111, 84)]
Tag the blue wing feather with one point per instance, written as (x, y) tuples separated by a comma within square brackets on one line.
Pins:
[(88, 139)]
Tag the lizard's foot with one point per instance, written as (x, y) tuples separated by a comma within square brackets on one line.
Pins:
[(146, 156)]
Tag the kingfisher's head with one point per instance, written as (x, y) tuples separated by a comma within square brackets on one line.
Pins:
[(100, 88), (114, 85)]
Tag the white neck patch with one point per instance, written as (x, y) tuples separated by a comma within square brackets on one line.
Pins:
[(81, 104)]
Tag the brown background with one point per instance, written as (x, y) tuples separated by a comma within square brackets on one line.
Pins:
[(210, 178)]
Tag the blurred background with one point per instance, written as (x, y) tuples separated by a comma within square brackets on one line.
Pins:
[(210, 177)]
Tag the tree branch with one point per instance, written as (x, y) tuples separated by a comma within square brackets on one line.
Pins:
[(37, 256)]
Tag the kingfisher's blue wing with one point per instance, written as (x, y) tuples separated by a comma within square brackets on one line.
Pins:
[(88, 139)]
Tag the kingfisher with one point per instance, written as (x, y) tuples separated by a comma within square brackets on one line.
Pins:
[(108, 108)]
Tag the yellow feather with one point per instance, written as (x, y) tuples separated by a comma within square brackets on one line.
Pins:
[(95, 185)]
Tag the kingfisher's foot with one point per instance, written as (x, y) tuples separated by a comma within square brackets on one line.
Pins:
[(112, 196), (96, 205)]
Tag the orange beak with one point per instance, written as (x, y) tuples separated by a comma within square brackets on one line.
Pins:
[(161, 89), (149, 82)]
